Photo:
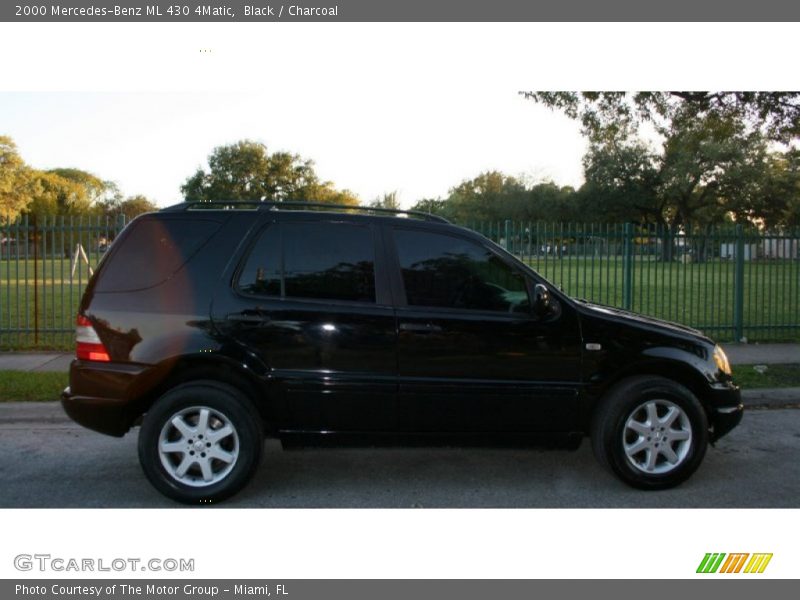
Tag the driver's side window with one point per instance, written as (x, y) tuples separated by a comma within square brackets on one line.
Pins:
[(446, 271)]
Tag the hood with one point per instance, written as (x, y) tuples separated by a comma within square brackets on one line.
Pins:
[(635, 319)]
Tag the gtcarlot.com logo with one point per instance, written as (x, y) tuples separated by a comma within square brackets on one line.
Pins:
[(47, 562), (738, 562)]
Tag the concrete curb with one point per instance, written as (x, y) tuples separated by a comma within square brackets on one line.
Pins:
[(52, 413), (772, 397), (32, 412)]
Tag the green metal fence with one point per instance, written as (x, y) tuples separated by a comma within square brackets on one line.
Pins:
[(732, 282), (45, 265)]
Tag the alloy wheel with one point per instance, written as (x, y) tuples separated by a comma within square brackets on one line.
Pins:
[(198, 446), (657, 437)]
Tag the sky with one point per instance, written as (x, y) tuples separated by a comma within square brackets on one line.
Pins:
[(412, 107), (379, 107), (419, 144)]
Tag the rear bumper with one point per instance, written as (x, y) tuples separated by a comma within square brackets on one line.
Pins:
[(102, 396), (99, 414), (726, 410)]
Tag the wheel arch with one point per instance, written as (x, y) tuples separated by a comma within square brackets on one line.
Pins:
[(217, 368), (675, 371)]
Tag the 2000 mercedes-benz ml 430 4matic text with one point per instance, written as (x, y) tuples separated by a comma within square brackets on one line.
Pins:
[(213, 325)]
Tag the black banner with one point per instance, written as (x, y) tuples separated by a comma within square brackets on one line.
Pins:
[(399, 10), (403, 589)]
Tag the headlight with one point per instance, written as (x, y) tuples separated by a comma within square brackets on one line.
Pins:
[(722, 360)]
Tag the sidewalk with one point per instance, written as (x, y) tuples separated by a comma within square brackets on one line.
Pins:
[(35, 361), (762, 354)]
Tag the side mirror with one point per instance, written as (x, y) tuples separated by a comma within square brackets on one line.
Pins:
[(541, 300)]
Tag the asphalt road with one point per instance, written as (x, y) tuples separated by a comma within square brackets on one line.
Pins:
[(53, 463)]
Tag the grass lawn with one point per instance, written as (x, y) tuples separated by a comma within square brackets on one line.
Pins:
[(697, 294), (773, 376), (31, 387), (54, 290)]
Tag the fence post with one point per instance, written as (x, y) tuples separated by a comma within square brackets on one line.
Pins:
[(738, 286), (627, 267), (35, 282)]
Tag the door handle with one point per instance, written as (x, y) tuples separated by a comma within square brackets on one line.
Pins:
[(420, 327), (247, 318)]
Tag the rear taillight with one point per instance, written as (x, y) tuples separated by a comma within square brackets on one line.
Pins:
[(88, 345)]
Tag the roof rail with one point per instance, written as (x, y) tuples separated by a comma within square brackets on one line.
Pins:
[(296, 205)]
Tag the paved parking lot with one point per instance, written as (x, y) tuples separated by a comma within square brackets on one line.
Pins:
[(49, 462)]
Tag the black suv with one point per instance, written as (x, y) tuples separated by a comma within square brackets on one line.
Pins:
[(213, 325)]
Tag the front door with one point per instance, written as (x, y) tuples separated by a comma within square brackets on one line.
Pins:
[(472, 356)]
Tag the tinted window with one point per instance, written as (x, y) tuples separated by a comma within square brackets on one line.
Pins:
[(152, 252), (262, 272), (328, 261), (451, 272)]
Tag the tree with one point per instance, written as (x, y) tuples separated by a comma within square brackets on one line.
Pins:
[(62, 191), (495, 196), (707, 168), (17, 184), (388, 200), (775, 114), (433, 206), (65, 192), (623, 180), (241, 171), (775, 201), (129, 208), (325, 193), (246, 171), (546, 201), (710, 161), (484, 198)]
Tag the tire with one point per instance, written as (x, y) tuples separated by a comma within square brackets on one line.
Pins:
[(651, 432), (201, 442)]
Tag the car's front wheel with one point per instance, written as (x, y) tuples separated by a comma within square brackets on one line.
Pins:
[(651, 432), (200, 442)]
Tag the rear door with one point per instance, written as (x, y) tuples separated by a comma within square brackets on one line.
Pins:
[(472, 357), (310, 300)]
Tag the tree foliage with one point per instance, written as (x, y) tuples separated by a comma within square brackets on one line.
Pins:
[(53, 192), (65, 192), (494, 196), (719, 155), (16, 181), (776, 115), (326, 193), (247, 171), (117, 207), (388, 200)]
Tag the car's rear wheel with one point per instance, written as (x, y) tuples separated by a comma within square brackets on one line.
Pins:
[(200, 442), (651, 432)]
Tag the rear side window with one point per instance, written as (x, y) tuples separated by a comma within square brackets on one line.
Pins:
[(262, 274), (447, 271), (152, 252), (321, 261)]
